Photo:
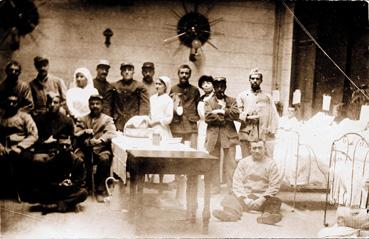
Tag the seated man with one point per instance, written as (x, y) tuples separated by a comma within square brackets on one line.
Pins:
[(18, 132), (95, 132), (54, 128), (58, 175), (256, 182), (62, 184)]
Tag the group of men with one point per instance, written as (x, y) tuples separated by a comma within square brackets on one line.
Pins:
[(39, 132), (44, 153)]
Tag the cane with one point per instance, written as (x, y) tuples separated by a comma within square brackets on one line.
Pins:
[(110, 193), (92, 174)]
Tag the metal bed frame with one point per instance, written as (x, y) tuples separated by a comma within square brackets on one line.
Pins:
[(346, 149)]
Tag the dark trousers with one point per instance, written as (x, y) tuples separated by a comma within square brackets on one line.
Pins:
[(103, 161), (228, 166), (49, 195), (15, 173), (236, 206)]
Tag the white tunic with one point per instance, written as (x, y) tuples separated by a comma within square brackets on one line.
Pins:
[(161, 108), (77, 101)]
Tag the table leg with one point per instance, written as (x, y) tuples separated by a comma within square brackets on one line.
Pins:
[(191, 195), (206, 211), (139, 198), (132, 197)]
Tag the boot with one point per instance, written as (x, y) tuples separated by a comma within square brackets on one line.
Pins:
[(269, 218), (225, 216)]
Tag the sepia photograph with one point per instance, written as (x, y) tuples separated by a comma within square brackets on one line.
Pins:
[(184, 119)]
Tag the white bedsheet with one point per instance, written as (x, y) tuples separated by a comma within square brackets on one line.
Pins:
[(315, 138), (121, 144)]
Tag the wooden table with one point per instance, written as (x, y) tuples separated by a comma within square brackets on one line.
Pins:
[(190, 163)]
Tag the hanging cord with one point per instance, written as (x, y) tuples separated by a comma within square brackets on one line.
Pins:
[(325, 53)]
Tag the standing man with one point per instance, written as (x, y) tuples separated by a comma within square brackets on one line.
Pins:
[(103, 86), (13, 86), (186, 98), (258, 115), (96, 131), (256, 182), (148, 71), (220, 112), (131, 97), (44, 83)]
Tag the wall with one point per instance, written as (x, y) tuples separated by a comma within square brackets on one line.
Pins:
[(70, 35)]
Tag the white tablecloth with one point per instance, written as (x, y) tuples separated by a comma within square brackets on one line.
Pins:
[(121, 144)]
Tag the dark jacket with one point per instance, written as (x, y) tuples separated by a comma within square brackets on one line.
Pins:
[(221, 125), (57, 125), (107, 91), (131, 99), (20, 89), (189, 97)]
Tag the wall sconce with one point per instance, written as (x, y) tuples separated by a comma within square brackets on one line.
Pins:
[(108, 33), (194, 53)]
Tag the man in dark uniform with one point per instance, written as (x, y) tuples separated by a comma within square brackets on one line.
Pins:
[(44, 83), (131, 97), (12, 85), (186, 98), (148, 71), (103, 86)]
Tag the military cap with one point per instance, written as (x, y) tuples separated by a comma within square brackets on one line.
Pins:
[(148, 65), (126, 64)]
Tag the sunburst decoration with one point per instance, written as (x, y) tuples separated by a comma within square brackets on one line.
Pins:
[(193, 30)]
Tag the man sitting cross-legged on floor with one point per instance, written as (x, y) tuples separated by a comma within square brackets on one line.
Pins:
[(256, 182)]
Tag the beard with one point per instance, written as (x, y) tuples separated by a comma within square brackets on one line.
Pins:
[(184, 82), (220, 95), (95, 112), (255, 87), (148, 79)]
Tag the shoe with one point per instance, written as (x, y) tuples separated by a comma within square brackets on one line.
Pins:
[(225, 216), (100, 198), (49, 208), (269, 218), (63, 207)]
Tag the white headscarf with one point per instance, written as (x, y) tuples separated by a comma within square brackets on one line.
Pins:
[(77, 98), (84, 71), (167, 83)]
